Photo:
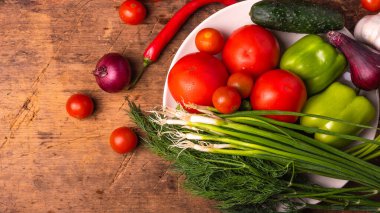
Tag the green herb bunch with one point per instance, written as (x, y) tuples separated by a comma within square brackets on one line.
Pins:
[(244, 183)]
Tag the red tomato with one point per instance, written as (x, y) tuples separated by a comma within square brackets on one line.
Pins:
[(123, 140), (251, 49), (371, 5), (132, 12), (279, 90), (79, 106), (226, 99), (242, 82), (195, 77), (209, 40)]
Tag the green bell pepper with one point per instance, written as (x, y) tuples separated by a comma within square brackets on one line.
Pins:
[(341, 102), (315, 61)]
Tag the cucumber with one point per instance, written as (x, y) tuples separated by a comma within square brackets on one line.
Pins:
[(296, 16)]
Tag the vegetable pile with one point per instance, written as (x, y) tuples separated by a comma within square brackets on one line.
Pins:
[(253, 121), (252, 125)]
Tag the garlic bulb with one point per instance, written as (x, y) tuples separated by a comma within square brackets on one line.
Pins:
[(367, 30)]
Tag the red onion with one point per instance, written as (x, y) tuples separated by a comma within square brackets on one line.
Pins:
[(112, 72), (364, 63)]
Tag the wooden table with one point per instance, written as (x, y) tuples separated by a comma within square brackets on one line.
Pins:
[(50, 162)]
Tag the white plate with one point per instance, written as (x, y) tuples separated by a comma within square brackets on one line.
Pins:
[(235, 16)]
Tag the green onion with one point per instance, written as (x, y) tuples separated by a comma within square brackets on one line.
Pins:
[(278, 112), (311, 141), (365, 151), (310, 129), (313, 160)]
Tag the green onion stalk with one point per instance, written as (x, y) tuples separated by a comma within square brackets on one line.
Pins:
[(365, 151), (248, 162), (368, 150), (309, 156)]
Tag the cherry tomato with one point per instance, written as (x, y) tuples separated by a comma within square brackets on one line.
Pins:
[(251, 49), (195, 77), (279, 90), (209, 40), (371, 5), (226, 99), (132, 12), (123, 140), (79, 106), (242, 82)]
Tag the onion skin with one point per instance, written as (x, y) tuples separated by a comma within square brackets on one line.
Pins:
[(112, 72), (364, 64), (367, 30)]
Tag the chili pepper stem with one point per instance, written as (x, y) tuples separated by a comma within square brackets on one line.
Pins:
[(146, 63)]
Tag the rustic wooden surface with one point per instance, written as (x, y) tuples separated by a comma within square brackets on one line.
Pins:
[(50, 162)]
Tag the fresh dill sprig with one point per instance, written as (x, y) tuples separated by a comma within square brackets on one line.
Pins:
[(232, 180)]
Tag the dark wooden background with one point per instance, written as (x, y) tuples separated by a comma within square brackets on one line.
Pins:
[(50, 162)]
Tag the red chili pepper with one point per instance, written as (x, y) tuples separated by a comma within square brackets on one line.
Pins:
[(153, 51)]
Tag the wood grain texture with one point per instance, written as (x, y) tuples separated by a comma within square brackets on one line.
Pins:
[(50, 162)]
